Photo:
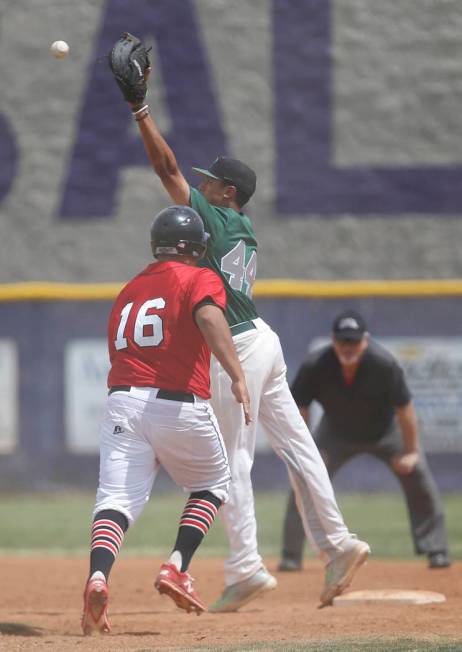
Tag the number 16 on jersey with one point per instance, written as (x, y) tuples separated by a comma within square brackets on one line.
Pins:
[(142, 320)]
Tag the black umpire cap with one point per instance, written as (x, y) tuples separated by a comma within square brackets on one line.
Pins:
[(349, 325)]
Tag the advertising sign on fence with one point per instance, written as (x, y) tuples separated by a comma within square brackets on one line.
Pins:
[(86, 366), (8, 396), (433, 368)]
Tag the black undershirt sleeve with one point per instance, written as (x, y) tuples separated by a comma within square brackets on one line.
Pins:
[(207, 301)]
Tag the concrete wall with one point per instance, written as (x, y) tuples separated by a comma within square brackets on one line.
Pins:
[(349, 110)]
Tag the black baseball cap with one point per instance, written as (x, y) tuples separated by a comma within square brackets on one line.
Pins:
[(349, 325), (234, 172)]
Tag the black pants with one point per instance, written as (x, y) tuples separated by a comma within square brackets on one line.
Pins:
[(423, 500)]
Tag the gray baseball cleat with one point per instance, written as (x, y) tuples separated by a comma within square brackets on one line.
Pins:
[(237, 595), (341, 570)]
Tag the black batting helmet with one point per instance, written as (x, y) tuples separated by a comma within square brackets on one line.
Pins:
[(179, 231)]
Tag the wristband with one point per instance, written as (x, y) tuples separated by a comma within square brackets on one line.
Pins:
[(141, 113)]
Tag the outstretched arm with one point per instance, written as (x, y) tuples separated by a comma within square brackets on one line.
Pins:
[(130, 65), (162, 159), (213, 326)]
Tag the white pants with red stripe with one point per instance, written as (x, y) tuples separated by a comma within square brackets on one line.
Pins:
[(272, 404), (140, 432)]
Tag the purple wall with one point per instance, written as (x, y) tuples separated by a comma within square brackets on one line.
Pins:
[(41, 330)]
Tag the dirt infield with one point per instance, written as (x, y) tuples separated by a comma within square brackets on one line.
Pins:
[(40, 605)]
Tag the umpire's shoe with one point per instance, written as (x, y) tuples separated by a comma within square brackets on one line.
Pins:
[(341, 570), (439, 559), (95, 599), (237, 595), (288, 565)]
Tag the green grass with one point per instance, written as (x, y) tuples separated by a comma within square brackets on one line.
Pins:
[(51, 523), (367, 645)]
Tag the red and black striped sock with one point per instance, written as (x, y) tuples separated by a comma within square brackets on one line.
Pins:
[(197, 517), (107, 535)]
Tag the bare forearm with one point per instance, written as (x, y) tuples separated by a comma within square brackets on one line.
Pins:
[(215, 330), (159, 153), (163, 161), (405, 463), (408, 422), (223, 349)]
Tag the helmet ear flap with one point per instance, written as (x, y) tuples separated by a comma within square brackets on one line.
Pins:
[(198, 249)]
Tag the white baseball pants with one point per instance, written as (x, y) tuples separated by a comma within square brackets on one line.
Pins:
[(261, 356), (140, 432)]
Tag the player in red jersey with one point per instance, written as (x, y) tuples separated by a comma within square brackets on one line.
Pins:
[(162, 328)]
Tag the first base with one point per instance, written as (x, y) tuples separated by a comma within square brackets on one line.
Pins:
[(388, 596)]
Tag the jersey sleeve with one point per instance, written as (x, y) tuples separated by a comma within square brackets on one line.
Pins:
[(211, 215), (303, 388), (400, 391), (207, 285)]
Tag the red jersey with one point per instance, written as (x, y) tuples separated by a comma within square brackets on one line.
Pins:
[(153, 339)]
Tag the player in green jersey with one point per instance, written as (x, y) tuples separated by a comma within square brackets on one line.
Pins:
[(227, 185), (234, 253)]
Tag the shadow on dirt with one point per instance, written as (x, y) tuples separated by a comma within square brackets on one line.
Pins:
[(19, 629), (146, 633)]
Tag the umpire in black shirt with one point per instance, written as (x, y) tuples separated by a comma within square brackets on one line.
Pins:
[(367, 409)]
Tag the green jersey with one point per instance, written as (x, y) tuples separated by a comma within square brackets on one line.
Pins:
[(232, 254)]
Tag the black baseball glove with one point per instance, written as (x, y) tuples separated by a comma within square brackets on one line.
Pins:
[(128, 61)]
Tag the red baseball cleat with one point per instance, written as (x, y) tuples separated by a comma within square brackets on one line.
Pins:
[(95, 599), (179, 587)]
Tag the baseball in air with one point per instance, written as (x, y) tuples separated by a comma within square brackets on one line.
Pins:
[(59, 49)]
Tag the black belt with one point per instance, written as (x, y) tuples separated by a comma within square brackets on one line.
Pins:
[(166, 394)]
